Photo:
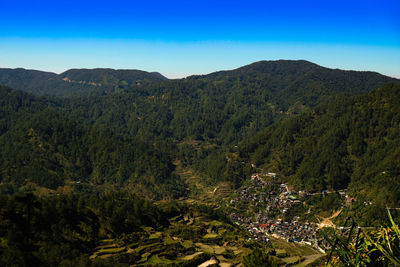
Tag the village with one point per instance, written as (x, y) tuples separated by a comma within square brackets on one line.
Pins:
[(273, 201)]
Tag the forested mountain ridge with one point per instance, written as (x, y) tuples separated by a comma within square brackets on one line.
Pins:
[(104, 77), (350, 141), (119, 138), (90, 159), (40, 145), (302, 81), (224, 107), (76, 82)]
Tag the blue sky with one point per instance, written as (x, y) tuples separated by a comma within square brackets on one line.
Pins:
[(179, 38)]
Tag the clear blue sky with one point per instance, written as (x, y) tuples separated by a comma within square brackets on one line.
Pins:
[(179, 38)]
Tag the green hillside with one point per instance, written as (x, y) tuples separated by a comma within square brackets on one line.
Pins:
[(110, 167), (223, 107), (40, 145), (350, 141), (76, 82), (133, 135)]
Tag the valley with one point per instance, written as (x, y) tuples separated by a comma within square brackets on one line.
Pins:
[(277, 162)]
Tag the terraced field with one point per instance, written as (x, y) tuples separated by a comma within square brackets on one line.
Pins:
[(189, 241), (198, 236)]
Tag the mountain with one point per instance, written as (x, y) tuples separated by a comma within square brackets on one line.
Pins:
[(301, 81), (109, 139), (76, 82), (347, 142), (133, 135), (110, 77), (224, 107), (41, 146)]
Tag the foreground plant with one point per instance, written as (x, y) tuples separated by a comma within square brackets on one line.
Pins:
[(380, 247)]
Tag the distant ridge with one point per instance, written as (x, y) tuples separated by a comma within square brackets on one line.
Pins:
[(159, 75), (300, 81), (99, 74), (281, 77), (279, 65), (291, 67), (76, 81), (134, 131)]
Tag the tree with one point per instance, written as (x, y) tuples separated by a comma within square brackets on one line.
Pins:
[(258, 258)]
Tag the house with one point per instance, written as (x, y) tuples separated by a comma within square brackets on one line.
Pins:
[(350, 199)]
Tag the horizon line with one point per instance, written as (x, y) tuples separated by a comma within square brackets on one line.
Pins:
[(183, 76)]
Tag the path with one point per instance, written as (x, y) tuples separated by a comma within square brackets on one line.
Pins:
[(326, 222), (328, 192), (309, 259)]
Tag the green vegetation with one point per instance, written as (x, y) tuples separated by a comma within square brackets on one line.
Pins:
[(258, 258), (92, 165), (378, 247), (133, 136), (76, 82), (41, 146), (60, 229), (350, 142)]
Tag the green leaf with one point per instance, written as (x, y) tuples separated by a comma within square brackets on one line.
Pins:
[(394, 225), (384, 251)]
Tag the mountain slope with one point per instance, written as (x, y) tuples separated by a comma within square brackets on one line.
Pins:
[(76, 82), (348, 142), (125, 136), (40, 145), (225, 107), (301, 81)]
